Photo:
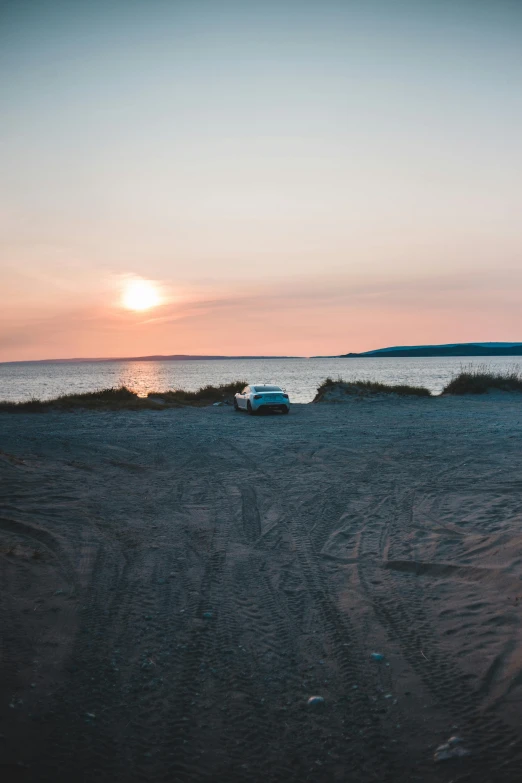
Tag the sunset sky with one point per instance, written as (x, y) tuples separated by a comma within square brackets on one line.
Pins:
[(276, 177)]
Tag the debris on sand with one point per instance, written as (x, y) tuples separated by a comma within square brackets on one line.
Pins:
[(208, 615), (375, 656), (315, 701), (451, 749)]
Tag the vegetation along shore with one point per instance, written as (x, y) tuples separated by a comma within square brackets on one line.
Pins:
[(480, 380)]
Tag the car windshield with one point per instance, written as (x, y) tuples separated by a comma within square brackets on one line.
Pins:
[(266, 388)]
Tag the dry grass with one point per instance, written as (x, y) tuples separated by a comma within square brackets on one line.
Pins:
[(208, 395), (366, 388), (103, 399), (124, 399), (482, 379)]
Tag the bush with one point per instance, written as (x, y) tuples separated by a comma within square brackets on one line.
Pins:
[(103, 399), (125, 399), (481, 379), (205, 396), (366, 388)]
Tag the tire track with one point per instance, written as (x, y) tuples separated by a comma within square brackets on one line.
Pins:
[(335, 628), (51, 543), (400, 608), (251, 518)]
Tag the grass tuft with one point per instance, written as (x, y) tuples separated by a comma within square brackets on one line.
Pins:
[(103, 399), (123, 398), (482, 379), (367, 388), (208, 395)]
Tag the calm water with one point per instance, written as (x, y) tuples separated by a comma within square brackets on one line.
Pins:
[(300, 377)]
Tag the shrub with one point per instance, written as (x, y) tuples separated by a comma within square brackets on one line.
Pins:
[(481, 379), (366, 388), (123, 398), (205, 396), (103, 399)]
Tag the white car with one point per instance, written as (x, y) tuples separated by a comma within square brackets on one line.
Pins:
[(262, 398)]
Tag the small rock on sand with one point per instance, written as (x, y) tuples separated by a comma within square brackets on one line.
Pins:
[(451, 749)]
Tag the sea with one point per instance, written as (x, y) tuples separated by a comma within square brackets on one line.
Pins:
[(20, 381)]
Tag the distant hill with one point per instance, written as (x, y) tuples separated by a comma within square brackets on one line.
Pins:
[(451, 349)]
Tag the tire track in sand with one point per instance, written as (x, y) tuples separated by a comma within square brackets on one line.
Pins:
[(399, 606)]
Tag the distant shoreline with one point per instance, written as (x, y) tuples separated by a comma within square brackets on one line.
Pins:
[(173, 358), (455, 350)]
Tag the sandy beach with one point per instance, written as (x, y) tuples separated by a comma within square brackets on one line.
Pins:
[(176, 585)]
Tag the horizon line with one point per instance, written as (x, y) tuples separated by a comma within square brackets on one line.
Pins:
[(213, 357)]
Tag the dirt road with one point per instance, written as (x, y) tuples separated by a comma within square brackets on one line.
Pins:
[(176, 585)]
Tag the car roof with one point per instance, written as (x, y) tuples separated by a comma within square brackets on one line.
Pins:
[(253, 385)]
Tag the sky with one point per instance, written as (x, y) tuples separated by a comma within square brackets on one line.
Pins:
[(289, 177)]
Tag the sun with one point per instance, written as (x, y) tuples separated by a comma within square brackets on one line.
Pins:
[(140, 295)]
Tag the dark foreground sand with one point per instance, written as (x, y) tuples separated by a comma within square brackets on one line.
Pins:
[(176, 585)]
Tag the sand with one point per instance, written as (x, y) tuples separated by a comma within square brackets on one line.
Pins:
[(176, 585)]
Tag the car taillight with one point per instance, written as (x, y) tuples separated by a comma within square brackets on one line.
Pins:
[(257, 396), (285, 396)]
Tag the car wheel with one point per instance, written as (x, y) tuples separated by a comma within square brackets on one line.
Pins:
[(285, 410), (249, 408), (236, 406)]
